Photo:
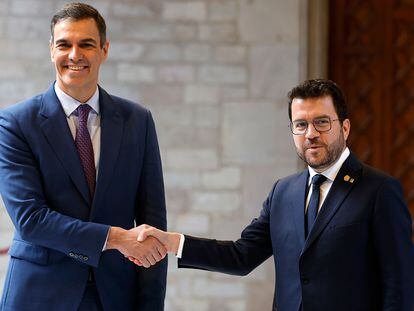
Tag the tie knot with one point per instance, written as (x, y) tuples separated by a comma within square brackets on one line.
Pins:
[(318, 180), (83, 112)]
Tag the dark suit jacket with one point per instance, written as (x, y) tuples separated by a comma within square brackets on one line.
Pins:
[(59, 232), (357, 257)]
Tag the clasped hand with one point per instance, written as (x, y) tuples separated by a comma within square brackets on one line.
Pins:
[(147, 251), (146, 234)]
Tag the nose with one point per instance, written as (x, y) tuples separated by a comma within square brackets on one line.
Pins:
[(75, 54), (311, 132)]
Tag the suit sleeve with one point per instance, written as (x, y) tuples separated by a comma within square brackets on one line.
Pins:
[(392, 236), (22, 192), (151, 210), (237, 258)]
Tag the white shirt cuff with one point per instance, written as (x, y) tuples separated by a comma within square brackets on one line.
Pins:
[(180, 247), (106, 241)]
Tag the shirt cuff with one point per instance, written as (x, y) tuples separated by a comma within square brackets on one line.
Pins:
[(180, 247), (106, 241)]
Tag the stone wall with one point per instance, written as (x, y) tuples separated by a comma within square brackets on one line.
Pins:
[(215, 74)]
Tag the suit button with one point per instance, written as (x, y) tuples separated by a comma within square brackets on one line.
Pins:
[(86, 258), (71, 254), (76, 256)]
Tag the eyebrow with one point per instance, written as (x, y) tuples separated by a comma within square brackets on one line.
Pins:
[(318, 117), (89, 40)]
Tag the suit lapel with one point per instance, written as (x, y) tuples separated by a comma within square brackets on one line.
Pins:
[(342, 185), (55, 127), (111, 137), (298, 204)]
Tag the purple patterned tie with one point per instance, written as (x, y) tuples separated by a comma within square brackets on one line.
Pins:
[(84, 145)]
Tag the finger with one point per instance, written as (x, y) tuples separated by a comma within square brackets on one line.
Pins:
[(162, 251), (144, 262), (135, 261), (151, 259)]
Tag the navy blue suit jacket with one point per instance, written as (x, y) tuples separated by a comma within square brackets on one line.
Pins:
[(357, 257), (59, 232)]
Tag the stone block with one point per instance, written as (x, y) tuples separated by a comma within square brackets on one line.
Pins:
[(267, 20), (173, 115), (266, 63), (184, 32), (185, 11), (162, 52), (28, 28), (30, 7), (193, 224), (217, 290), (31, 50), (225, 178), (230, 93), (201, 94), (161, 94), (181, 180), (187, 304), (121, 51), (176, 73), (222, 10), (177, 203), (254, 133), (206, 137), (147, 31), (187, 159), (228, 226), (230, 54), (218, 32), (4, 7), (133, 73), (176, 136), (230, 74), (12, 69), (197, 52), (224, 202), (136, 10), (14, 91), (207, 116)]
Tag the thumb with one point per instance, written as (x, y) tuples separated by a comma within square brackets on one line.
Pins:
[(142, 235)]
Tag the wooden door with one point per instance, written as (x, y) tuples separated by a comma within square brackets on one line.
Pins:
[(371, 56)]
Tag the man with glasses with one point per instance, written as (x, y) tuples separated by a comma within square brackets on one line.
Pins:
[(339, 231)]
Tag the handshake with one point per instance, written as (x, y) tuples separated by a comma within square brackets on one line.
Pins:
[(143, 245)]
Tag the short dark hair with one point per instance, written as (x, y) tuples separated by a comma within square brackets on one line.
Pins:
[(79, 11), (319, 88)]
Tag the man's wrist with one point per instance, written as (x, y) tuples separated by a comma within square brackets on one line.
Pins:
[(115, 236)]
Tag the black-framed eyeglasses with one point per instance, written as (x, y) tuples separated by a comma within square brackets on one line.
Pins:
[(322, 124)]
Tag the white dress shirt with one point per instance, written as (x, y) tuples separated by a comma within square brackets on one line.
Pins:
[(330, 173), (69, 105)]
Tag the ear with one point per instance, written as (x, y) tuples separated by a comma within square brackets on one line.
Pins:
[(105, 50), (346, 128), (51, 49)]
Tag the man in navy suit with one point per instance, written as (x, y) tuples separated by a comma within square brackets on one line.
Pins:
[(339, 232), (79, 167)]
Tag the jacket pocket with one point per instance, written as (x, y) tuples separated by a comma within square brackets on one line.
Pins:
[(29, 252)]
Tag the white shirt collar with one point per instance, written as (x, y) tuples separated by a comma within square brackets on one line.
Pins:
[(333, 170), (69, 104)]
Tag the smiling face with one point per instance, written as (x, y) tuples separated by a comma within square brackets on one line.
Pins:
[(319, 150), (77, 54)]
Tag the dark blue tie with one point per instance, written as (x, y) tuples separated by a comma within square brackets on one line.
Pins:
[(84, 145), (313, 206)]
